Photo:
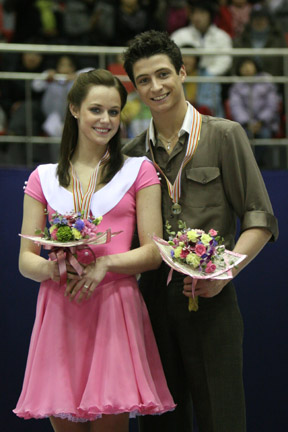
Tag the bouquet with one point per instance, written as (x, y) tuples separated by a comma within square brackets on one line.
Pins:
[(68, 234), (71, 227), (197, 254)]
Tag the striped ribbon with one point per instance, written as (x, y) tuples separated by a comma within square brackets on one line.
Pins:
[(175, 189), (82, 202)]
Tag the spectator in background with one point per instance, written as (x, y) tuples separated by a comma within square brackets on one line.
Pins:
[(53, 103), (131, 19), (33, 18), (202, 33), (263, 32), (176, 15), (233, 15), (17, 107), (14, 95), (76, 19), (223, 17), (116, 22), (48, 18), (103, 22), (116, 68), (279, 9), (135, 116), (256, 106), (27, 19), (205, 97), (7, 23)]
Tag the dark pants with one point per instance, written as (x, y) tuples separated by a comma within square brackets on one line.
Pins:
[(201, 354)]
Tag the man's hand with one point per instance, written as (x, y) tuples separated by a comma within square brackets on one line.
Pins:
[(204, 287)]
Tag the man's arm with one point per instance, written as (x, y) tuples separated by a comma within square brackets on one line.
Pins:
[(250, 243)]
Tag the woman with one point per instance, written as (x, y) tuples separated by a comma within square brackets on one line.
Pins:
[(94, 356)]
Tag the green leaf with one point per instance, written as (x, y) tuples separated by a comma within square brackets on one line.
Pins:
[(46, 232), (182, 225)]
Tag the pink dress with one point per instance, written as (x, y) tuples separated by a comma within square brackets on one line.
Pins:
[(99, 356)]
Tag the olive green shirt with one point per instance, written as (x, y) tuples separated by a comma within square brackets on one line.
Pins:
[(220, 184)]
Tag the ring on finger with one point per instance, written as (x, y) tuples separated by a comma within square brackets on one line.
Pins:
[(86, 287)]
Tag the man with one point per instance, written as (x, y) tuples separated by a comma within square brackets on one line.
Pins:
[(209, 178), (202, 33)]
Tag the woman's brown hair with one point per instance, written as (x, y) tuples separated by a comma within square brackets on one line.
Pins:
[(69, 139)]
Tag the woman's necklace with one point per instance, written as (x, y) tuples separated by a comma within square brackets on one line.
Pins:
[(167, 141)]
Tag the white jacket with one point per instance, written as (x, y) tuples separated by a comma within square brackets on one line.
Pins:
[(214, 38)]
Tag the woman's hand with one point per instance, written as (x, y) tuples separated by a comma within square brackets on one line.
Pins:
[(83, 286)]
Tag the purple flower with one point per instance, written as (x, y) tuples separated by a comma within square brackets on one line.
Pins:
[(79, 224)]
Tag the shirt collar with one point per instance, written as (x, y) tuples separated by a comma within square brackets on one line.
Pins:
[(186, 126)]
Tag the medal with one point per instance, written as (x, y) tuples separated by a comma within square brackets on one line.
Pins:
[(176, 208), (174, 189), (82, 202)]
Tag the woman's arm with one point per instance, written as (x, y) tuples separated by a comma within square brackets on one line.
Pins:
[(31, 264), (149, 222), (146, 257)]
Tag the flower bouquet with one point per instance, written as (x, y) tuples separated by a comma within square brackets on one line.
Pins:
[(197, 254), (68, 234)]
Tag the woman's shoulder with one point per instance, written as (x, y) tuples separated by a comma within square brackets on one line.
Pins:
[(136, 167), (47, 167), (135, 162), (48, 173)]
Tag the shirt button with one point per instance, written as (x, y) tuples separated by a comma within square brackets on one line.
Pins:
[(168, 169), (204, 180)]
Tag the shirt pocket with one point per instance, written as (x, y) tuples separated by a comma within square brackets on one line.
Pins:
[(204, 187)]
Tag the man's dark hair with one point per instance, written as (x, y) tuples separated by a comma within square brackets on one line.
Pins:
[(151, 43)]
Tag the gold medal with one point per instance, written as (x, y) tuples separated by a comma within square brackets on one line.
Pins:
[(174, 190), (176, 208)]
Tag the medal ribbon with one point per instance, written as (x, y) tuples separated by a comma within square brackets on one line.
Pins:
[(175, 189), (82, 202)]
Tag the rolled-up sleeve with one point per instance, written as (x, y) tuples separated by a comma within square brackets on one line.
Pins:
[(243, 183)]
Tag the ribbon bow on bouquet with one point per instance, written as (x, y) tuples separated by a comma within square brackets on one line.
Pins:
[(67, 235)]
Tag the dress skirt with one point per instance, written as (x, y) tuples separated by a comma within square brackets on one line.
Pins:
[(92, 358)]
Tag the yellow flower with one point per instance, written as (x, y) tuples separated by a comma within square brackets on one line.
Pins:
[(192, 235), (206, 238), (76, 234), (177, 252), (97, 220), (193, 260), (52, 228)]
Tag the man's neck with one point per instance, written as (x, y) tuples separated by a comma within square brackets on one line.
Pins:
[(169, 123)]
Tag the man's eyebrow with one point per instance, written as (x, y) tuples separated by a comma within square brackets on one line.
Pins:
[(141, 75), (145, 74)]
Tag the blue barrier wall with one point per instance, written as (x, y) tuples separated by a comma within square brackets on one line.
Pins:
[(262, 291)]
